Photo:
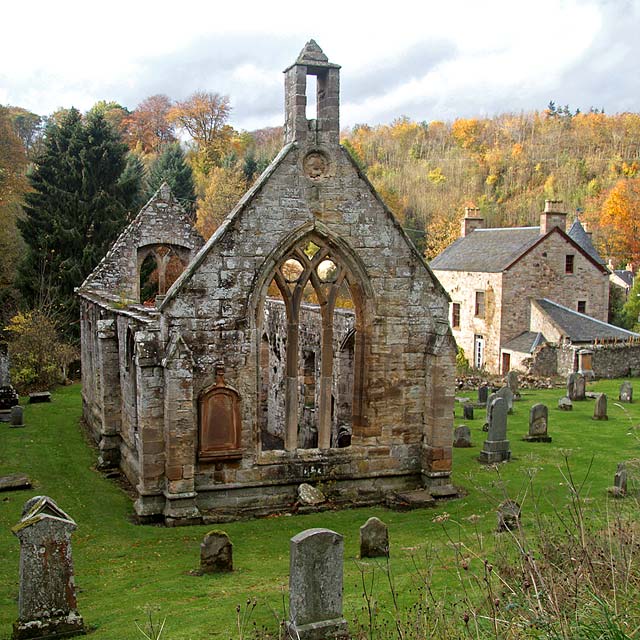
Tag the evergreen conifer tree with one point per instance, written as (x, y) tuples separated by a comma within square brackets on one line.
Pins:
[(77, 207), (172, 168)]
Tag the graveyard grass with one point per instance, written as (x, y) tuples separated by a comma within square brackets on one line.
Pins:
[(125, 572)]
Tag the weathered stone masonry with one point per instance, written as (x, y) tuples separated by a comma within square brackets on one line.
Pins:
[(176, 395)]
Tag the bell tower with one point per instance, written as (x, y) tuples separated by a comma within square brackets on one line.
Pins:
[(325, 130)]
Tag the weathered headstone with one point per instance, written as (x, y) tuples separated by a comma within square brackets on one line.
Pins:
[(14, 481), (496, 446), (17, 419), (5, 379), (490, 398), (315, 586), (626, 392), (508, 516), (600, 408), (512, 381), (374, 539), (216, 553), (538, 423), (619, 489), (47, 597), (483, 393), (467, 411), (576, 386), (310, 495), (564, 404), (462, 437), (507, 394)]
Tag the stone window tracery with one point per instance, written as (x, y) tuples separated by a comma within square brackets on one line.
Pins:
[(313, 402)]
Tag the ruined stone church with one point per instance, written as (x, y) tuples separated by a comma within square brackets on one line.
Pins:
[(306, 341)]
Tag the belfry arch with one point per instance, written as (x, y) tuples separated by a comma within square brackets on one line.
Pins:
[(312, 286)]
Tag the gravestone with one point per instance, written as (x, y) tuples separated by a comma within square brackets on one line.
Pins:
[(5, 380), (576, 386), (374, 539), (462, 437), (600, 408), (511, 380), (564, 404), (626, 392), (483, 393), (14, 481), (216, 553), (508, 516), (467, 411), (47, 598), (507, 394), (315, 586), (538, 422), (619, 489), (496, 446), (39, 396), (310, 495), (17, 419)]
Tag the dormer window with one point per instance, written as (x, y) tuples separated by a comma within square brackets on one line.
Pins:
[(568, 263)]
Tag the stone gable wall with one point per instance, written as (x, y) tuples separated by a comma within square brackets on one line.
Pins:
[(538, 275), (462, 287)]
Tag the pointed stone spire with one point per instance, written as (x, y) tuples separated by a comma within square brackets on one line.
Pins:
[(312, 54)]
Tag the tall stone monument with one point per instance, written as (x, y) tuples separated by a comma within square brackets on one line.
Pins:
[(496, 447), (47, 597), (315, 586)]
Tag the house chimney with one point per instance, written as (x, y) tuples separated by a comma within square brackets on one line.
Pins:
[(472, 220), (552, 216), (630, 267)]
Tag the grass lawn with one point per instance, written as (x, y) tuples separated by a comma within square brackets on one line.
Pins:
[(123, 569)]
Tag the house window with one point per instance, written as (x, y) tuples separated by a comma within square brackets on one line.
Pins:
[(455, 315), (568, 263), (479, 304), (582, 306)]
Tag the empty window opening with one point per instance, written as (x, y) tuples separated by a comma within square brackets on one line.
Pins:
[(582, 306), (149, 280), (312, 98), (309, 352)]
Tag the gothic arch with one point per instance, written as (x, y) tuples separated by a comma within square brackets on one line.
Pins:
[(312, 264)]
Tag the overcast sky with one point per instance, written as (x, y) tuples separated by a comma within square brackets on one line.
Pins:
[(429, 60)]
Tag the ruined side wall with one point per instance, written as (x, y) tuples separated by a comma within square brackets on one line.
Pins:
[(215, 314), (541, 274), (461, 287), (91, 385)]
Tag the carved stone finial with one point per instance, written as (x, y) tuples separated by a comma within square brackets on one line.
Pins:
[(311, 53)]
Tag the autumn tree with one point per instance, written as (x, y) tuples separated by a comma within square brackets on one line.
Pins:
[(76, 208), (148, 126), (172, 167), (27, 126), (223, 190), (203, 116)]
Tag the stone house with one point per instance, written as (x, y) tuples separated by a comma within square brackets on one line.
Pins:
[(306, 341), (515, 289)]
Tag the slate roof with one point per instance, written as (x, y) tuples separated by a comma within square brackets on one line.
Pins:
[(582, 238), (579, 327), (526, 342), (487, 250), (625, 276)]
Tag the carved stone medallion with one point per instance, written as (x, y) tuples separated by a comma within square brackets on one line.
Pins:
[(315, 165)]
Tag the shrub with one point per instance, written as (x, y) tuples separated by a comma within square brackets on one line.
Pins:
[(39, 359)]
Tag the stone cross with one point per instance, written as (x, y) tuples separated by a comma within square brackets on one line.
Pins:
[(507, 394), (626, 392), (511, 380), (508, 516), (216, 553), (600, 408), (496, 446), (374, 539), (462, 437), (538, 422), (47, 598), (467, 411), (315, 586), (483, 393)]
